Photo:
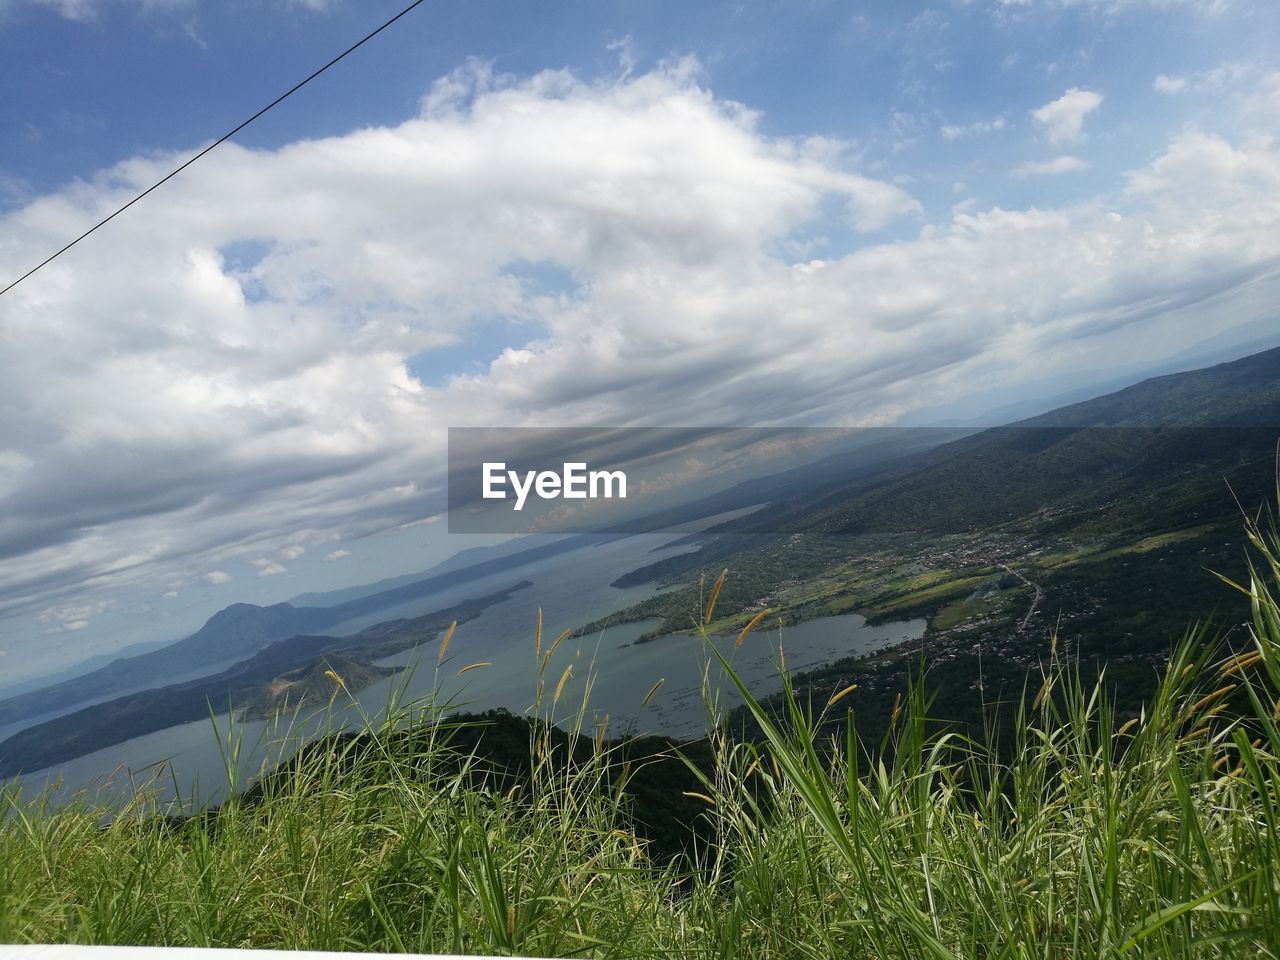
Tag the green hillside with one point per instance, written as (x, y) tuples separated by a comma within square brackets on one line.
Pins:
[(1096, 522), (312, 685)]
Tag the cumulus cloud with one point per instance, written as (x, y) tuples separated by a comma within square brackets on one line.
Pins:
[(1062, 119), (337, 554), (1063, 164), (227, 374), (269, 569)]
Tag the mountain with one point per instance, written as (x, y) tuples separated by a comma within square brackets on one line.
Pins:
[(311, 685), (1219, 348), (242, 629), (1102, 522), (467, 559), (231, 634), (1162, 454), (1103, 525), (82, 667), (114, 721), (1149, 456)]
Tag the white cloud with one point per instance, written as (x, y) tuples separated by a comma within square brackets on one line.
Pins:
[(1264, 102), (270, 569), (1206, 7), (249, 390), (951, 133), (1062, 119), (85, 11), (1063, 164), (337, 554), (73, 617), (1166, 84), (89, 10), (293, 552), (1215, 80), (422, 522)]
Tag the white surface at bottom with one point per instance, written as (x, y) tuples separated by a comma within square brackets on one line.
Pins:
[(64, 952)]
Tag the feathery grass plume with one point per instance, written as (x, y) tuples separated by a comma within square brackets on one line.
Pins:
[(751, 624), (560, 686), (837, 697), (444, 641), (1204, 701), (555, 643), (652, 690), (475, 666), (1240, 662), (335, 678), (1045, 686), (715, 592)]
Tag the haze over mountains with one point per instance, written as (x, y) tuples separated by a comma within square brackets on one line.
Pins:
[(239, 631), (1153, 453), (114, 721)]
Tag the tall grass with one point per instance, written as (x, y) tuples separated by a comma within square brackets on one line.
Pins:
[(1158, 836)]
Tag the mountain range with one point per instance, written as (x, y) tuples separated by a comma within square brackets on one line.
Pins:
[(113, 721), (1111, 509), (242, 629)]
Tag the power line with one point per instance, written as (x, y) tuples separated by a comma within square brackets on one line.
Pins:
[(222, 139)]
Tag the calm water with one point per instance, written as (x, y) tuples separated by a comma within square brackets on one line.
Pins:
[(619, 673), (571, 590)]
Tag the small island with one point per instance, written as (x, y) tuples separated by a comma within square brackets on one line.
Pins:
[(314, 684)]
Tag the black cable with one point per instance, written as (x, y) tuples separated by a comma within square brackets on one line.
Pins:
[(222, 139)]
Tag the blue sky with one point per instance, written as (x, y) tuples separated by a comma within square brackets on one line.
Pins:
[(101, 81), (563, 214), (939, 93)]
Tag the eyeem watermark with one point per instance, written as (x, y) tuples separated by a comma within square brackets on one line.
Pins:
[(573, 482)]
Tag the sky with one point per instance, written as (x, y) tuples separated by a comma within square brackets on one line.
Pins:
[(567, 214)]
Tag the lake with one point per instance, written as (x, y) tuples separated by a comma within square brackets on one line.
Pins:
[(572, 589)]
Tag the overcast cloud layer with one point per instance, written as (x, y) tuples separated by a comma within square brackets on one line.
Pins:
[(224, 379)]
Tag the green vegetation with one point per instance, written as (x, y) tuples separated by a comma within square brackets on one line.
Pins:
[(311, 685), (1068, 831)]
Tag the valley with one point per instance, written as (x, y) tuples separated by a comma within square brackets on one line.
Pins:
[(1096, 531)]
